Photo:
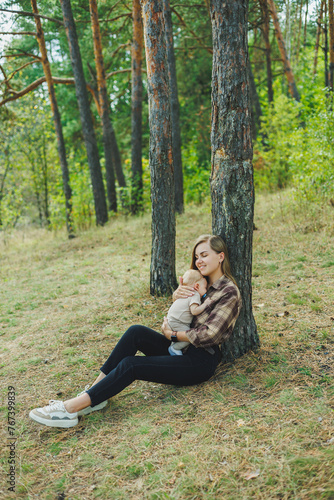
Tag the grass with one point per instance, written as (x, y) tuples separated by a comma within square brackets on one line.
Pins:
[(262, 428)]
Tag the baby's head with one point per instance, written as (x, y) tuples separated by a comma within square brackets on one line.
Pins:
[(195, 279)]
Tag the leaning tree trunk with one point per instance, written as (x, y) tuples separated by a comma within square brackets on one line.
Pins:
[(136, 110), (56, 119), (163, 278), (281, 45), (104, 106), (266, 32), (175, 110), (101, 211), (232, 188)]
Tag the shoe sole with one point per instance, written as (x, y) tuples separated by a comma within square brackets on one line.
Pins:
[(90, 409), (63, 424)]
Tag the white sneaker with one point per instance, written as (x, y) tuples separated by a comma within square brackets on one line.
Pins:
[(90, 409), (54, 415)]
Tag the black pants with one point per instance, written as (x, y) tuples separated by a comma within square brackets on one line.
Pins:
[(123, 367)]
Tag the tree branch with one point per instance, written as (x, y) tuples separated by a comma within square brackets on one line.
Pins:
[(32, 33), (30, 14), (55, 80), (184, 24)]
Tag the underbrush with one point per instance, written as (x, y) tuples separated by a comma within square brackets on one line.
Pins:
[(261, 428)]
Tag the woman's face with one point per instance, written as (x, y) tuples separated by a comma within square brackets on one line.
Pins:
[(208, 261)]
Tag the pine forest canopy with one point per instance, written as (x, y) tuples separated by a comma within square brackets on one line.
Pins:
[(31, 190)]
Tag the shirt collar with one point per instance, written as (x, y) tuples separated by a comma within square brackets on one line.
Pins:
[(220, 282)]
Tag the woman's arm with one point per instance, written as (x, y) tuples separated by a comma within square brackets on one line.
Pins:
[(183, 291), (167, 332)]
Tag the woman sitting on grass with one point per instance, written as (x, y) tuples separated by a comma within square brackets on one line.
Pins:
[(198, 364)]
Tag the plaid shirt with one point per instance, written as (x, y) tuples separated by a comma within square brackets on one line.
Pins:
[(215, 324)]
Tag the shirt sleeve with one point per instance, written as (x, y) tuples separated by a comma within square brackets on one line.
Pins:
[(219, 323), (195, 299)]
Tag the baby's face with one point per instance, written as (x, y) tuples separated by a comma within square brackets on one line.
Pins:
[(202, 286)]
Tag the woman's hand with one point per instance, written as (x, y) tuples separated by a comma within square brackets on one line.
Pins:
[(183, 291), (166, 330)]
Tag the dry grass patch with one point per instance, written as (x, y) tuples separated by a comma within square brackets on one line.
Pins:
[(261, 428)]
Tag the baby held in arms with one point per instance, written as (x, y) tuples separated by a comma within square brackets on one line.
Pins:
[(181, 312)]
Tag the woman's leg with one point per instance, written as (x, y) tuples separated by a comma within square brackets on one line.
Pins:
[(194, 367), (136, 338)]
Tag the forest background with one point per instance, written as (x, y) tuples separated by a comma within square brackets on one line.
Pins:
[(262, 427), (293, 136)]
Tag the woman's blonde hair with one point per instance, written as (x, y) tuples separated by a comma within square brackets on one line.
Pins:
[(218, 245)]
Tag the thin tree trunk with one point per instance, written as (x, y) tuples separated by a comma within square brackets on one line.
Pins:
[(316, 49), (104, 106), (45, 184), (255, 103), (326, 46), (101, 212), (287, 66), (300, 24), (136, 110), (163, 278), (266, 31), (3, 180), (232, 188), (175, 110), (331, 43), (305, 24), (57, 121)]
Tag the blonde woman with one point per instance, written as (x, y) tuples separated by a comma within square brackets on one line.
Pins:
[(208, 331)]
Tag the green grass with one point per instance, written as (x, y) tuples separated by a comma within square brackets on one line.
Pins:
[(65, 303)]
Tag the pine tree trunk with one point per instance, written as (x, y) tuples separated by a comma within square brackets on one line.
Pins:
[(104, 106), (281, 45), (175, 110), (255, 103), (326, 46), (331, 43), (136, 110), (316, 49), (101, 211), (57, 121), (232, 188), (266, 32), (163, 278)]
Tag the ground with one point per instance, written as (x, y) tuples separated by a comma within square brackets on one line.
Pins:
[(262, 428)]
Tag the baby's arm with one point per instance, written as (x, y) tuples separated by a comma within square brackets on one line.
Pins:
[(197, 309)]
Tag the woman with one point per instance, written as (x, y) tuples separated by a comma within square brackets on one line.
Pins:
[(198, 363)]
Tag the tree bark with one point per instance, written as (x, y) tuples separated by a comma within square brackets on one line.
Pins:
[(326, 46), (255, 103), (104, 106), (101, 212), (331, 43), (265, 32), (281, 45), (163, 278), (175, 110), (232, 188), (317, 40), (136, 110), (56, 119)]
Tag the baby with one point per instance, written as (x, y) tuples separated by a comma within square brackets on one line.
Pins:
[(181, 312)]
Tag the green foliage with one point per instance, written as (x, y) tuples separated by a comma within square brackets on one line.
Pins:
[(296, 148)]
